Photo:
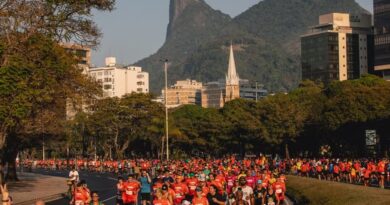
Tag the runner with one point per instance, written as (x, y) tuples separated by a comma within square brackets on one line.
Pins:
[(180, 189), (199, 199), (80, 196), (130, 191), (259, 193), (145, 187), (246, 190), (119, 192), (167, 194), (95, 199), (160, 200), (239, 198), (74, 175), (215, 198)]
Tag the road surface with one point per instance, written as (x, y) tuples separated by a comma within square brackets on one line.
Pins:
[(105, 184)]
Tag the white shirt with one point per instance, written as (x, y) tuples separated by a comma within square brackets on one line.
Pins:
[(247, 192), (74, 175)]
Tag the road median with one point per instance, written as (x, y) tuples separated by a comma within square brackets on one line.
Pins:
[(315, 192)]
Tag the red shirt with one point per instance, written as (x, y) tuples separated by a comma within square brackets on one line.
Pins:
[(130, 191), (336, 169), (192, 183), (181, 190)]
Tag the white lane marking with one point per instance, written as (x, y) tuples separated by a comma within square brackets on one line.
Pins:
[(287, 201), (110, 178), (109, 199)]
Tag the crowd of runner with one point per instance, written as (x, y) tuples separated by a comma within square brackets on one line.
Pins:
[(196, 181), (226, 181)]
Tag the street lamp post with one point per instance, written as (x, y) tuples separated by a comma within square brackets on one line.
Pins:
[(256, 91), (166, 106)]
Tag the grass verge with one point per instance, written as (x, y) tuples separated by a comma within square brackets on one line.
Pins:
[(314, 192)]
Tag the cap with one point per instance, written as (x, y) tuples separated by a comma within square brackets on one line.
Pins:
[(164, 187)]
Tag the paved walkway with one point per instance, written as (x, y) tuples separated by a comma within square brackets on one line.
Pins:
[(34, 186)]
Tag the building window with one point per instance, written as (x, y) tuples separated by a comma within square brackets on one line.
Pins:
[(107, 79), (100, 73), (140, 83), (139, 89), (140, 76), (107, 87)]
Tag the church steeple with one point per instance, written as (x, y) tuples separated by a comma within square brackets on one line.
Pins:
[(232, 86), (232, 77)]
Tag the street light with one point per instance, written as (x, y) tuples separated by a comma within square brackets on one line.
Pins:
[(256, 91), (166, 106)]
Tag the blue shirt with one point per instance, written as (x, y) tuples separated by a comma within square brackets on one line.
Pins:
[(145, 185)]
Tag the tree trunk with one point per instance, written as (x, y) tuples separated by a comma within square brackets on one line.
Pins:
[(1, 173), (286, 151), (11, 171), (9, 158)]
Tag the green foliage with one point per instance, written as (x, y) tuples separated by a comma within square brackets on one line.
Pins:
[(117, 122), (36, 81), (303, 119)]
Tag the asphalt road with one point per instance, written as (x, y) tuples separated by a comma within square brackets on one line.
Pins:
[(105, 184)]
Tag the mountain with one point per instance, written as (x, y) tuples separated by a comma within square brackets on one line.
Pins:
[(266, 39), (191, 23)]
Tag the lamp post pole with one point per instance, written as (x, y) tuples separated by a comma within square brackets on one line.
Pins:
[(256, 91), (166, 107)]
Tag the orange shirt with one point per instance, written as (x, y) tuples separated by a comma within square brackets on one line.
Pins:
[(381, 166), (160, 202), (80, 197), (200, 201)]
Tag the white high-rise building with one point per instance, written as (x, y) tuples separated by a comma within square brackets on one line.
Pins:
[(117, 81)]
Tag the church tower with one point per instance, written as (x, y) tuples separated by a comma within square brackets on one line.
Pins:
[(232, 87)]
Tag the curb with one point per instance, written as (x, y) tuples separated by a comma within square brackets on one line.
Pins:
[(45, 199)]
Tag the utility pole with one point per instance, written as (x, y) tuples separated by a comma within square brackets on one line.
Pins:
[(256, 91), (166, 106), (43, 148)]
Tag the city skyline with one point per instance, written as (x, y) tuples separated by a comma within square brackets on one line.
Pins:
[(135, 41)]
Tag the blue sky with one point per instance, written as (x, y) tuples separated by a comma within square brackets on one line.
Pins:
[(137, 28)]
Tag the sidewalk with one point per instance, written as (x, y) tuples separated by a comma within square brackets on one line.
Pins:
[(34, 186)]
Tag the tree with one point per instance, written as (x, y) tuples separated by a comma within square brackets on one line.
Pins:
[(202, 128), (243, 126), (35, 71), (120, 121)]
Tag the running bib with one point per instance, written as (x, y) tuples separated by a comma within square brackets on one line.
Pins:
[(129, 192), (279, 191), (192, 187), (178, 195)]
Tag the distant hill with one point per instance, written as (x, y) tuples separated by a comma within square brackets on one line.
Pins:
[(266, 39)]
